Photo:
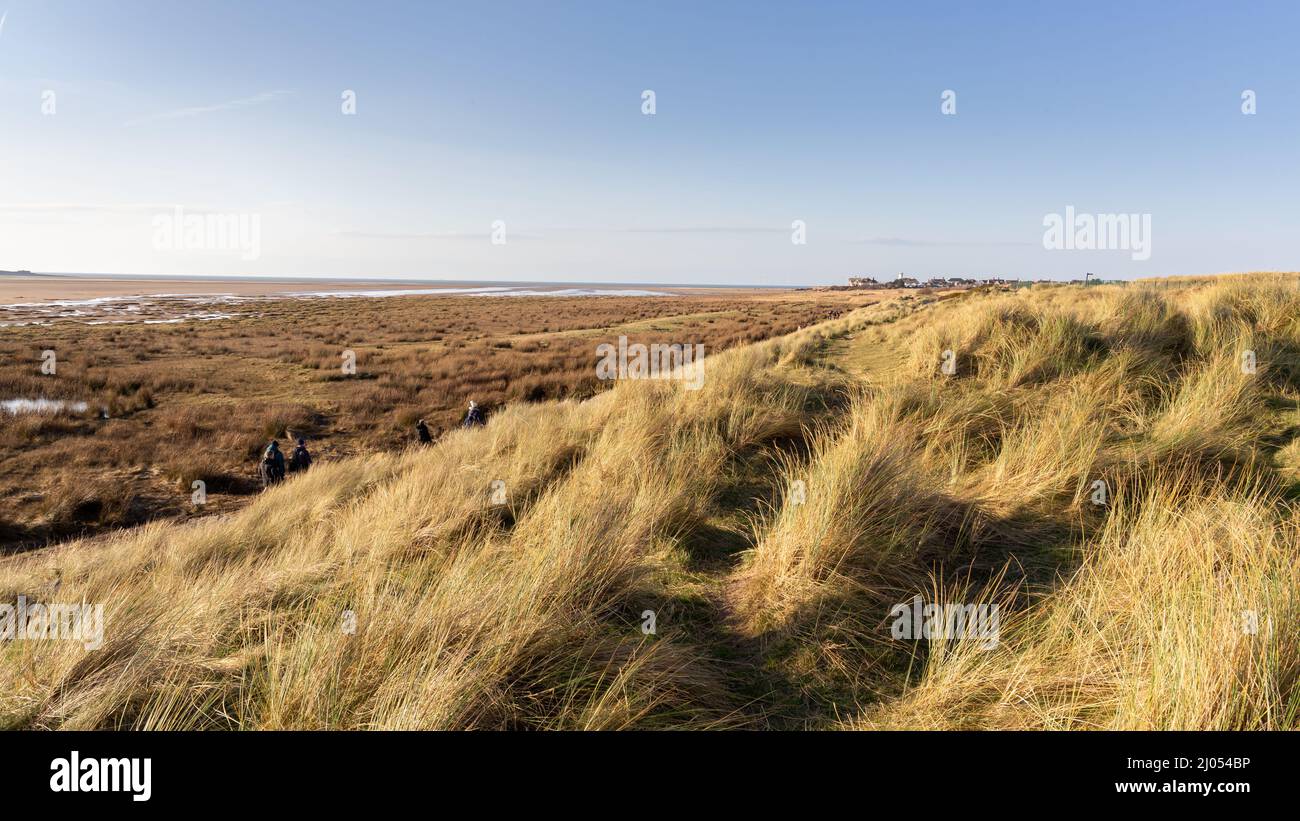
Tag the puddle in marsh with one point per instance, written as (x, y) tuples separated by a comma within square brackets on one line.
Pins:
[(164, 309)]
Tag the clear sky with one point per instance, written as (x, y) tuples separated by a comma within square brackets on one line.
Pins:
[(531, 114)]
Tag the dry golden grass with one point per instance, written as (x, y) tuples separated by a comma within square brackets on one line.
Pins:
[(199, 400), (772, 606)]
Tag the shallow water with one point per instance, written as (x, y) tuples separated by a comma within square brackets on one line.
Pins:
[(484, 291), (153, 309)]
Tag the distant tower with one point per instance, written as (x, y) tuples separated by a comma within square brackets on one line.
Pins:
[(1087, 278)]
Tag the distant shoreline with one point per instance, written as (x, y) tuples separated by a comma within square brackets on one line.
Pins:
[(386, 280), (43, 287)]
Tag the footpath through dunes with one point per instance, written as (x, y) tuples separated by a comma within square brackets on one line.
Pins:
[(949, 447), (1170, 605)]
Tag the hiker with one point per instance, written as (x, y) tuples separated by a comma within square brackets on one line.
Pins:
[(272, 464), (300, 459), (422, 430), (474, 417)]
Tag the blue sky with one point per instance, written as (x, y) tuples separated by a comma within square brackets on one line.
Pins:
[(531, 114)]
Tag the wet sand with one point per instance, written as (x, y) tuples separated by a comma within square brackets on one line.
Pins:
[(43, 288)]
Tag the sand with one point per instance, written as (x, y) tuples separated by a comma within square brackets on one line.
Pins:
[(15, 288), (41, 288)]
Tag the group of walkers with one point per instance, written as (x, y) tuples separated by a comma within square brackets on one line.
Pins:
[(473, 418), (274, 468)]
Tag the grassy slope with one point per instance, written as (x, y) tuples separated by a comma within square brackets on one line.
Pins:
[(770, 612), (199, 400)]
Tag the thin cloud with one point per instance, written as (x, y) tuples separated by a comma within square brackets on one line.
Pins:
[(199, 110), (73, 206), (2, 22), (899, 242), (704, 229), (67, 210), (83, 208), (427, 235)]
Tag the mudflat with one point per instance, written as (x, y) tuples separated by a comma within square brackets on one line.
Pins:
[(46, 287)]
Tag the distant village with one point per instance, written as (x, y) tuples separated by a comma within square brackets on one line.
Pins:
[(904, 281)]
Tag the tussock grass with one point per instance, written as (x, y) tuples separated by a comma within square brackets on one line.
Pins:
[(1149, 633), (200, 400), (977, 488)]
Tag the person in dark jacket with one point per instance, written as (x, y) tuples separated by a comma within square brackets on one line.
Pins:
[(422, 430), (300, 459), (474, 417), (272, 464)]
